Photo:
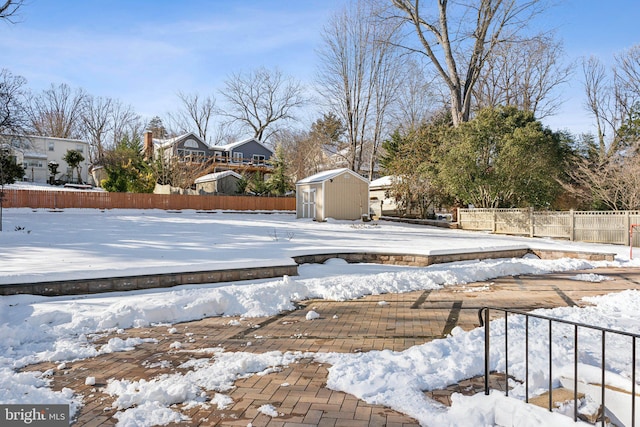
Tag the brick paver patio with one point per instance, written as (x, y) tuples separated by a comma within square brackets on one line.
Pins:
[(352, 326)]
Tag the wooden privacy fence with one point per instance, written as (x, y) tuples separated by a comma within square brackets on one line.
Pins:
[(584, 226), (36, 199)]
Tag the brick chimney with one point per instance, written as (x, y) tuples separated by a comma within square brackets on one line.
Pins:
[(148, 145)]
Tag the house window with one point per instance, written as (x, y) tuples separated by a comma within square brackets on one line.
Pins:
[(52, 146), (33, 163), (258, 159), (194, 156), (80, 148), (237, 157)]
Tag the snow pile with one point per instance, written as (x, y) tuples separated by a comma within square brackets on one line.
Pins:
[(591, 277)]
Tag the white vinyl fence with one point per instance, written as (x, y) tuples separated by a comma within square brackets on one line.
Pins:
[(585, 226)]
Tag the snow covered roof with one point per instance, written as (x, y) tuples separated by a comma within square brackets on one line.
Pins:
[(168, 142), (230, 147), (45, 138), (326, 175), (216, 176), (385, 181)]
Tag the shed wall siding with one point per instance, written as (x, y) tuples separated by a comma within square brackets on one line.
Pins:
[(347, 197), (320, 200)]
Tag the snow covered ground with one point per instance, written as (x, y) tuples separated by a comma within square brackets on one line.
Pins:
[(43, 245)]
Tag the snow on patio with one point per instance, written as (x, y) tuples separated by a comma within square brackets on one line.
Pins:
[(43, 245)]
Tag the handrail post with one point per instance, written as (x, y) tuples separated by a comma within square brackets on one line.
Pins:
[(575, 373), (486, 351), (633, 381), (550, 366), (526, 358), (506, 352), (603, 378)]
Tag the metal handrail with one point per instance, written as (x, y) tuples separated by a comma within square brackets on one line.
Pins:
[(483, 316)]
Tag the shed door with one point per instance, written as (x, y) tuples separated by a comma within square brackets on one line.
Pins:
[(309, 203)]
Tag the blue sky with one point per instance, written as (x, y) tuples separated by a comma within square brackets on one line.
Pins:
[(144, 51)]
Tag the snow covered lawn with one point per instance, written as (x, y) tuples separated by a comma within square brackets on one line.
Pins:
[(43, 245)]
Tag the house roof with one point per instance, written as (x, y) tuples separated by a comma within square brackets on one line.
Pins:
[(168, 142), (230, 147), (385, 181), (46, 138), (327, 175), (216, 176)]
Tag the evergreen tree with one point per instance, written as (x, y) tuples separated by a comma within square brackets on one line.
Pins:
[(10, 171), (257, 184), (390, 150), (504, 157), (242, 184), (156, 127), (127, 171), (73, 159), (279, 182)]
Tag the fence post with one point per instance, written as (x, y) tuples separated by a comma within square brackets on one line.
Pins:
[(532, 230), (572, 225), (494, 218), (627, 217)]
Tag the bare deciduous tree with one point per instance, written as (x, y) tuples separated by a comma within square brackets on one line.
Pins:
[(614, 184), (262, 100), (302, 155), (9, 9), (627, 77), (11, 96), (125, 123), (96, 125), (524, 73), (56, 112), (417, 98), (612, 98), (459, 38), (601, 103), (103, 121), (359, 74), (194, 116)]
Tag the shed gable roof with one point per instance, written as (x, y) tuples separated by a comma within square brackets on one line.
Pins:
[(330, 174), (216, 176)]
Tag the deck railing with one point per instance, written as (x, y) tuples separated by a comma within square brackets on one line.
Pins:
[(484, 317)]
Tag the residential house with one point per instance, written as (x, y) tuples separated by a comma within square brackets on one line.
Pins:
[(381, 197), (337, 193), (36, 152), (249, 155), (385, 201)]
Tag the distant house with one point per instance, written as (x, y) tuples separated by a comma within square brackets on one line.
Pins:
[(35, 153), (184, 148), (249, 155), (385, 201), (248, 152), (381, 197), (218, 183), (336, 193)]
